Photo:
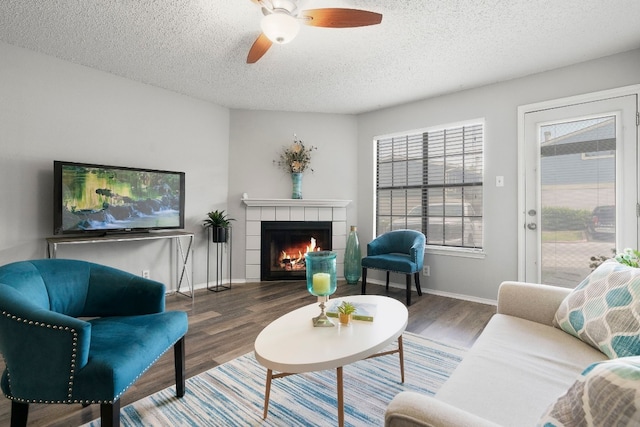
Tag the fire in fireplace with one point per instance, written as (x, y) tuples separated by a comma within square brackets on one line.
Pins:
[(284, 244), (293, 258)]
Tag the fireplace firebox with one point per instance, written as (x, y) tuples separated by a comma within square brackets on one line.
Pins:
[(284, 244)]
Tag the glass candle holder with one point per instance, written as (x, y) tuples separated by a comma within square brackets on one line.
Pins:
[(321, 281)]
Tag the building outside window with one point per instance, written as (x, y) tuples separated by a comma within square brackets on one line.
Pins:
[(431, 181)]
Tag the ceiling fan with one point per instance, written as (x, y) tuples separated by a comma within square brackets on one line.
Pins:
[(282, 19)]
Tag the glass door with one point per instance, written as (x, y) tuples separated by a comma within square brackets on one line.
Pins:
[(581, 187)]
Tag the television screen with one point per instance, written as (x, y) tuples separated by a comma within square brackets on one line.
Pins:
[(99, 198)]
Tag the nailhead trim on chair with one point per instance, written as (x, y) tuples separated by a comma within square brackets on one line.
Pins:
[(73, 356), (73, 365), (145, 370)]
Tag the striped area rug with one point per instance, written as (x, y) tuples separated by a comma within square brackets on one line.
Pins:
[(232, 394)]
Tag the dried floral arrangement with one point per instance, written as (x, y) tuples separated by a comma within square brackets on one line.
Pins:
[(295, 158)]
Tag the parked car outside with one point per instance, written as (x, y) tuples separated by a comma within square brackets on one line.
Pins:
[(603, 223)]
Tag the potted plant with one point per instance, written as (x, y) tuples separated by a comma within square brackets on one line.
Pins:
[(345, 310), (219, 223)]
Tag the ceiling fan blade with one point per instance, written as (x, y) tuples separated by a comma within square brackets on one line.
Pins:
[(340, 18), (266, 7), (259, 48)]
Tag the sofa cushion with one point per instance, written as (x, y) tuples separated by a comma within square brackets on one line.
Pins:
[(393, 262), (604, 310), (122, 348), (605, 394), (515, 370)]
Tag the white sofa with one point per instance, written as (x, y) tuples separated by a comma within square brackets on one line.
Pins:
[(517, 368)]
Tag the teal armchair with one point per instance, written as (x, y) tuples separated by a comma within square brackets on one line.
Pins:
[(75, 332), (400, 251)]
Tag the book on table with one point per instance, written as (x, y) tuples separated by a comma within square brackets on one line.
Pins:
[(364, 310)]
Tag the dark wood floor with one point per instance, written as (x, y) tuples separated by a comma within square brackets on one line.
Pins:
[(224, 325)]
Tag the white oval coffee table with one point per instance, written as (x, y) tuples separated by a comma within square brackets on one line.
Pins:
[(292, 345)]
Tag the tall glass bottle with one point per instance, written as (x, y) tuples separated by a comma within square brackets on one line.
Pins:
[(352, 258)]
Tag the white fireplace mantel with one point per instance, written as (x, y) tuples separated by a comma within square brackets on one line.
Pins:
[(259, 210), (308, 203)]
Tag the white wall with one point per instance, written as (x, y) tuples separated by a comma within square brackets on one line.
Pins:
[(54, 110), (497, 104), (257, 139)]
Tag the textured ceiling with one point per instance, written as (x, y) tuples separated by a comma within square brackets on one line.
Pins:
[(422, 48)]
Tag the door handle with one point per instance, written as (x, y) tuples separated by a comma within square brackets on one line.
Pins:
[(532, 226)]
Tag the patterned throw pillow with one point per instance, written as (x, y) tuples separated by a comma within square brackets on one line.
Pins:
[(604, 310), (605, 394)]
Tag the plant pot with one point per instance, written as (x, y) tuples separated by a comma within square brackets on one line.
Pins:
[(219, 234), (345, 319)]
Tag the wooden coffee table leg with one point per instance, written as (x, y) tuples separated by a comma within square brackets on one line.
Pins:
[(340, 397), (401, 354), (266, 393)]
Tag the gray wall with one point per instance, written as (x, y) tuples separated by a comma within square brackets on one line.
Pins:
[(497, 104), (52, 109), (257, 139), (55, 110)]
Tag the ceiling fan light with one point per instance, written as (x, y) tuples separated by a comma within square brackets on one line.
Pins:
[(280, 28)]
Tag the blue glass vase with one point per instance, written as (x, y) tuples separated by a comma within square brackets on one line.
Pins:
[(352, 258), (321, 281), (296, 179), (321, 273)]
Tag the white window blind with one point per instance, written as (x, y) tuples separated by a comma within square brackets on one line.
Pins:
[(432, 182)]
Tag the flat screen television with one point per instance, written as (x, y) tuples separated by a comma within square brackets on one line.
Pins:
[(102, 199)]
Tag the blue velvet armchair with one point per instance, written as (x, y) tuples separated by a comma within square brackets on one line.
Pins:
[(75, 332), (400, 251)]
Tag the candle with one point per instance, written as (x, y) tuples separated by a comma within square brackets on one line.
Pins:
[(321, 283)]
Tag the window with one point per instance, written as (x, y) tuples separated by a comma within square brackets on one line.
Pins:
[(431, 181)]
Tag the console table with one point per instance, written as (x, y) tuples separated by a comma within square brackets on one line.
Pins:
[(182, 256)]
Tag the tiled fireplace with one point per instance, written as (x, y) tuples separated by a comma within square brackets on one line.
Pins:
[(313, 213), (285, 243)]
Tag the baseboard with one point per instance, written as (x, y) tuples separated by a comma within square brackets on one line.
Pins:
[(381, 283), (203, 285), (439, 293), (462, 297)]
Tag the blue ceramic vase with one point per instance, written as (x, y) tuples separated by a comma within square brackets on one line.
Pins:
[(296, 179)]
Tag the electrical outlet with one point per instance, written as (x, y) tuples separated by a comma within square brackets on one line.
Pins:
[(426, 270), (145, 274)]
